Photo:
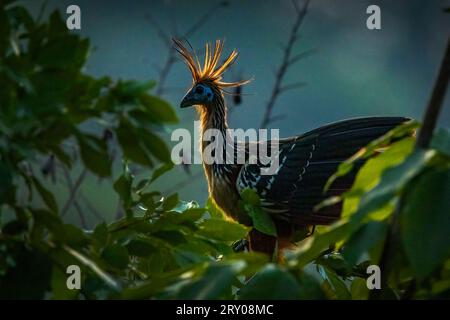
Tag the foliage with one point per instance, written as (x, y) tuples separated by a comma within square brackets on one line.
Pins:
[(168, 248)]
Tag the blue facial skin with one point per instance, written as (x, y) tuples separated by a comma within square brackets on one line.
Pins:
[(202, 93), (199, 94)]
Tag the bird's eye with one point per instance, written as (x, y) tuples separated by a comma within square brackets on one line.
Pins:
[(199, 90)]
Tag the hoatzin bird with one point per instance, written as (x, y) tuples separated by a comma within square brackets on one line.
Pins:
[(306, 161)]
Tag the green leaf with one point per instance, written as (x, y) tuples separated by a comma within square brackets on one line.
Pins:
[(185, 205), (317, 244), (129, 91), (310, 289), (359, 290), (116, 255), (370, 174), (131, 144), (392, 183), (123, 188), (140, 248), (158, 110), (368, 236), (261, 219), (214, 283), (335, 286), (170, 202), (425, 221), (155, 145), (251, 197), (222, 230), (272, 282), (100, 234), (94, 153), (63, 52), (59, 286), (46, 195), (214, 210), (71, 235)]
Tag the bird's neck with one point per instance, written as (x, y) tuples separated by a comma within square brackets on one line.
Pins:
[(213, 117)]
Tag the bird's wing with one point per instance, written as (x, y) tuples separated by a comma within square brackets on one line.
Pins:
[(305, 164)]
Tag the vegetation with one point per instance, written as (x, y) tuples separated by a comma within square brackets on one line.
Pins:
[(168, 248)]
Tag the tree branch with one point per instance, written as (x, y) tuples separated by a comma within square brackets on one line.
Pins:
[(286, 62), (166, 39), (435, 103), (73, 189)]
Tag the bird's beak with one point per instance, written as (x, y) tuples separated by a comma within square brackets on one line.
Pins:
[(188, 100)]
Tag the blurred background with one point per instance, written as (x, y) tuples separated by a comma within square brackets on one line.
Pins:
[(351, 72)]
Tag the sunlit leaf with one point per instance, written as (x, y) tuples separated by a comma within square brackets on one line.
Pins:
[(222, 230)]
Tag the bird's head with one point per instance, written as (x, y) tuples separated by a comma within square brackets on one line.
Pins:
[(201, 93), (207, 85)]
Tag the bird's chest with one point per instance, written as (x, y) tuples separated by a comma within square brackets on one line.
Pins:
[(222, 188)]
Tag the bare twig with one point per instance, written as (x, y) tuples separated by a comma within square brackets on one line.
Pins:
[(73, 190), (80, 214), (291, 86), (423, 141), (287, 61), (166, 39), (203, 19)]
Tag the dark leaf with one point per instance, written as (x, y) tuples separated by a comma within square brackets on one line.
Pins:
[(94, 153), (272, 282), (158, 110), (425, 220), (116, 255), (46, 195)]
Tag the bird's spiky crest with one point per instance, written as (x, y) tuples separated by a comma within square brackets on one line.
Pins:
[(210, 71)]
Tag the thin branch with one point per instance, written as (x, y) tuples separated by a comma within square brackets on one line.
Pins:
[(291, 86), (435, 102), (433, 109), (80, 214), (166, 39), (164, 72), (159, 31), (286, 62), (203, 19), (301, 56), (73, 190), (277, 118)]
